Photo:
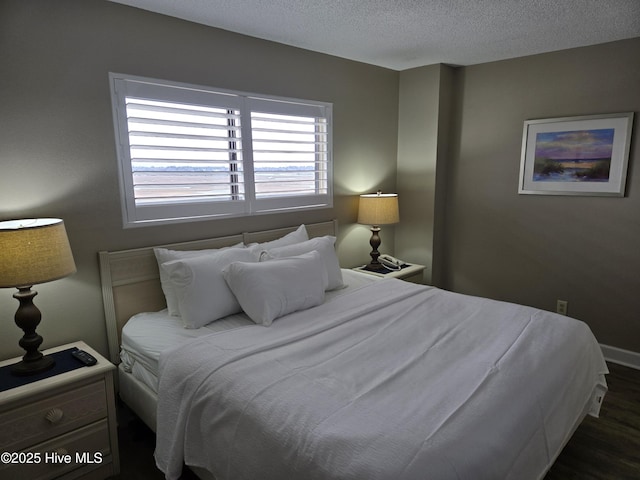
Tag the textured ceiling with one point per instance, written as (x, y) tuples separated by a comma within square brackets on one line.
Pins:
[(401, 34)]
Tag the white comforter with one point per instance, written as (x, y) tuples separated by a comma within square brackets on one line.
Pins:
[(391, 381)]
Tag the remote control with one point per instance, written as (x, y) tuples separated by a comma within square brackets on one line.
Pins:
[(84, 357)]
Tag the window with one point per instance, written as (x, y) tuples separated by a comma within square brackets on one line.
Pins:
[(188, 152)]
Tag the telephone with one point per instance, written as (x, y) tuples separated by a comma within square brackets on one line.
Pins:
[(390, 262)]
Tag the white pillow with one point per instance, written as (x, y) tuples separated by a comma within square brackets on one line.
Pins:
[(164, 255), (324, 246), (268, 290), (297, 236), (202, 293)]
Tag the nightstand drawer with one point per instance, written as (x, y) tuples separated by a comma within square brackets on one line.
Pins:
[(86, 448), (41, 420)]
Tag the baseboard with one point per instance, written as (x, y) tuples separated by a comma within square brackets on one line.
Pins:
[(620, 356)]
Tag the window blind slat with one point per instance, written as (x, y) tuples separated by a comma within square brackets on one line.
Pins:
[(178, 179), (181, 109), (177, 148), (158, 122), (191, 166), (194, 198), (152, 136)]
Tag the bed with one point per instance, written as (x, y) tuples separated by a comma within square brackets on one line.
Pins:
[(323, 373)]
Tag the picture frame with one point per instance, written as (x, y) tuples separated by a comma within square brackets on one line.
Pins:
[(583, 155)]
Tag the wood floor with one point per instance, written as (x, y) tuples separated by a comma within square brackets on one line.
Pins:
[(605, 448)]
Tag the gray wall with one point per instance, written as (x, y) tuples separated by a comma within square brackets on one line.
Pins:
[(424, 122), (535, 249), (57, 148)]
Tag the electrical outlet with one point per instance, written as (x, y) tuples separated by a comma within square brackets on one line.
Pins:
[(562, 306)]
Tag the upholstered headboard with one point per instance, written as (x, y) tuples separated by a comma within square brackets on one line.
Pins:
[(131, 281)]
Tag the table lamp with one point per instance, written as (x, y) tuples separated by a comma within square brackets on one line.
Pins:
[(32, 251), (377, 209)]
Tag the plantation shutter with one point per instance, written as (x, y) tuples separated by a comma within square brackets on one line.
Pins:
[(180, 153), (290, 148), (187, 152)]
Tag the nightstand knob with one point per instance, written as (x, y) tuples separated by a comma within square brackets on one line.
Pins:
[(54, 415)]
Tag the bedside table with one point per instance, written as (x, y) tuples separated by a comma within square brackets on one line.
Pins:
[(63, 426), (411, 273)]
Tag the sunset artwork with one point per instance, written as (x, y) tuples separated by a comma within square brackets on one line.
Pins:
[(585, 155), (573, 156)]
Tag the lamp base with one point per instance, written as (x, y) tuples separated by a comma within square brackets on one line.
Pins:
[(374, 266), (27, 318), (375, 241), (24, 368)]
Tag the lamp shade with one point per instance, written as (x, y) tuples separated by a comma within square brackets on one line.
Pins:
[(378, 209), (34, 251)]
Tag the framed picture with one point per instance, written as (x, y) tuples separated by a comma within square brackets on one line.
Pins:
[(585, 155)]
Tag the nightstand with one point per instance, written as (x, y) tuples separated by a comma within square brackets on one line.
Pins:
[(63, 426), (411, 273)]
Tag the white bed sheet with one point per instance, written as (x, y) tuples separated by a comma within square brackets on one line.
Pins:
[(146, 335), (390, 381)]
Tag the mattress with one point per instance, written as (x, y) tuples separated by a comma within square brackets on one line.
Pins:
[(146, 335)]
